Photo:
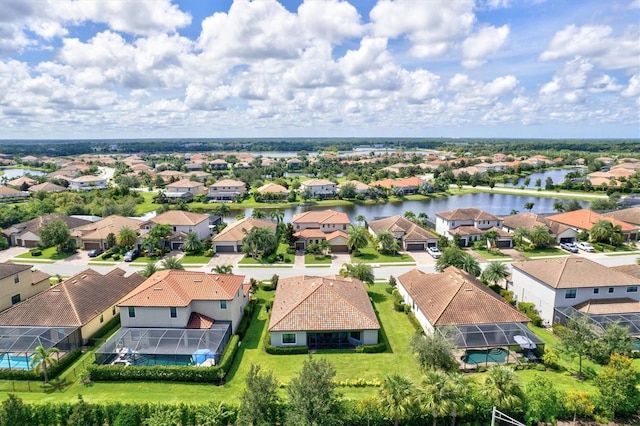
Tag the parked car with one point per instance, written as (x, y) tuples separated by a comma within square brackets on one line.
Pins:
[(95, 252), (130, 255), (434, 252), (571, 247), (584, 246)]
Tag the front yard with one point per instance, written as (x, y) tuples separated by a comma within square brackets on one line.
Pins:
[(371, 255), (48, 254), (288, 259), (316, 259), (548, 251), (491, 255)]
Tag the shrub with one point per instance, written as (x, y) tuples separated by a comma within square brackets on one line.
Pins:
[(291, 250), (106, 255), (372, 349), (285, 350), (209, 253), (415, 323), (268, 305), (112, 324), (36, 252), (116, 257), (267, 287), (559, 329), (541, 367), (247, 317)]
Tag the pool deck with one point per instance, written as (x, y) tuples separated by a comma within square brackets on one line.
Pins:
[(512, 358)]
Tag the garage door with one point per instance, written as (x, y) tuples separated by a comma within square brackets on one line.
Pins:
[(30, 243), (503, 244), (339, 249), (91, 246), (415, 246), (300, 245), (225, 249), (566, 240), (176, 246)]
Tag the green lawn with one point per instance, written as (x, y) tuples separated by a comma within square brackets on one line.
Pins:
[(371, 255), (148, 205), (282, 250), (146, 259), (195, 259), (549, 251), (313, 259), (47, 254), (490, 255)]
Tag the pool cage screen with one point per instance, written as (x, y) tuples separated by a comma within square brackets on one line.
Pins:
[(165, 346), (631, 320), (19, 343), (483, 336)]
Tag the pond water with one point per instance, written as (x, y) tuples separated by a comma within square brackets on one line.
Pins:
[(557, 176), (498, 204), (16, 173)]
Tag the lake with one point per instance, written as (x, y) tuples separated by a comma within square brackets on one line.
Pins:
[(498, 204), (11, 174), (557, 175)]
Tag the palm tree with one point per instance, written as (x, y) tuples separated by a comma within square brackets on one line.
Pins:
[(171, 263), (395, 398), (43, 359), (519, 235), (358, 270), (502, 389), (358, 238), (222, 210), (491, 237), (126, 237), (435, 396), (410, 215), (192, 244), (422, 218), (495, 272), (384, 241), (277, 215), (259, 240), (258, 214), (540, 237), (469, 264), (324, 247), (529, 205), (360, 219), (161, 232), (223, 269), (149, 269), (559, 206)]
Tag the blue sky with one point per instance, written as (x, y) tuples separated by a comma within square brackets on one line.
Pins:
[(389, 68)]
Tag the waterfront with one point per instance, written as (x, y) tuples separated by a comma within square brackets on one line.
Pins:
[(12, 173), (557, 175)]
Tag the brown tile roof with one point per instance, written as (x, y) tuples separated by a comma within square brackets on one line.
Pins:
[(622, 305), (313, 303), (185, 183), (9, 269), (35, 224), (467, 214), (585, 219), (574, 272), (5, 190), (47, 187), (317, 182), (180, 218), (237, 230), (454, 297), (321, 216), (101, 229), (39, 276), (180, 288), (336, 234), (22, 179), (88, 178), (358, 185), (74, 302), (273, 188), (228, 182), (310, 233), (199, 321), (531, 220), (412, 231), (633, 270), (630, 215)]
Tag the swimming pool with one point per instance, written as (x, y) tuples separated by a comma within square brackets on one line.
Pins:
[(476, 356), (15, 362), (149, 360)]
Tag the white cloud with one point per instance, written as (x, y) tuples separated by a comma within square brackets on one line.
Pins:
[(485, 42), (431, 26), (634, 87), (330, 20), (605, 83)]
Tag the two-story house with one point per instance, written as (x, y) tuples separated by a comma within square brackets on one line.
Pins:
[(19, 282), (576, 282), (87, 182), (411, 235), (314, 226), (320, 188), (226, 190), (184, 188), (181, 223), (469, 224)]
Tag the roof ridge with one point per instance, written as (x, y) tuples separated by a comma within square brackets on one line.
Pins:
[(70, 300), (347, 301), (445, 306), (313, 290)]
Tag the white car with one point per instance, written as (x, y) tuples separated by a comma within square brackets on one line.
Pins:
[(584, 246), (434, 252)]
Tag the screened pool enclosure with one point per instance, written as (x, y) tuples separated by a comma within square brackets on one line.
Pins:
[(18, 344), (630, 320), (165, 346)]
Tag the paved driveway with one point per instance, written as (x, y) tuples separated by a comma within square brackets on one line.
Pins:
[(225, 259), (12, 252), (422, 258), (339, 258)]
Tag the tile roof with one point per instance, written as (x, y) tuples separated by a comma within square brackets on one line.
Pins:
[(622, 305), (574, 272), (336, 234), (228, 182), (633, 270), (467, 214), (412, 231), (273, 188), (22, 179), (237, 230), (9, 269), (180, 218), (585, 219), (310, 233), (74, 302), (199, 321), (358, 185), (185, 183), (35, 224), (101, 229), (630, 215), (321, 216), (454, 297), (312, 303), (317, 182), (88, 178), (47, 187), (5, 190), (531, 220), (179, 288)]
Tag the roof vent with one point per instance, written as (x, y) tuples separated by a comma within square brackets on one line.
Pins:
[(74, 281), (157, 288), (83, 277), (197, 281), (468, 289), (56, 290)]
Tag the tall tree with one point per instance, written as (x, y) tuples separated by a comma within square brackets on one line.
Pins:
[(360, 219), (385, 241), (444, 395), (277, 215), (126, 237), (615, 339), (161, 233), (501, 388), (495, 272), (358, 238), (223, 269), (55, 233), (454, 256), (577, 338), (259, 241), (258, 214), (14, 412), (559, 206), (313, 399), (260, 404), (222, 210), (520, 235), (529, 205), (395, 398), (540, 237), (433, 352), (43, 359), (192, 243), (149, 269), (617, 386), (543, 402), (358, 270), (491, 237)]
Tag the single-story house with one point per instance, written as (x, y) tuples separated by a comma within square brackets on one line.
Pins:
[(46, 187), (410, 234), (562, 233), (229, 240), (584, 219), (94, 235), (27, 234), (322, 312)]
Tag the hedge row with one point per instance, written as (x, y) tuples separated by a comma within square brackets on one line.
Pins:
[(168, 373), (247, 317), (372, 349), (285, 350), (52, 372)]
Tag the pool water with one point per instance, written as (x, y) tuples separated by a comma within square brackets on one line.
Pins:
[(150, 360), (481, 356), (15, 362)]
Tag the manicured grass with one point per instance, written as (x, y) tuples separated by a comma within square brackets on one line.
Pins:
[(312, 259), (282, 250), (549, 251), (606, 248), (148, 205), (47, 254), (147, 259), (490, 255), (195, 259), (371, 255)]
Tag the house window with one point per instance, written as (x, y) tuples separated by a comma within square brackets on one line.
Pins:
[(113, 310), (132, 312), (632, 289), (101, 318), (16, 279), (174, 312), (344, 227), (288, 338), (355, 335), (611, 289), (570, 293), (596, 291), (223, 304), (15, 299), (174, 229)]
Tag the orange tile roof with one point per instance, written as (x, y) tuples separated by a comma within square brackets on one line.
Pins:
[(180, 218), (585, 219), (411, 230), (322, 216), (310, 303), (622, 305), (179, 288), (199, 321), (454, 297), (336, 234), (310, 233), (273, 188)]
